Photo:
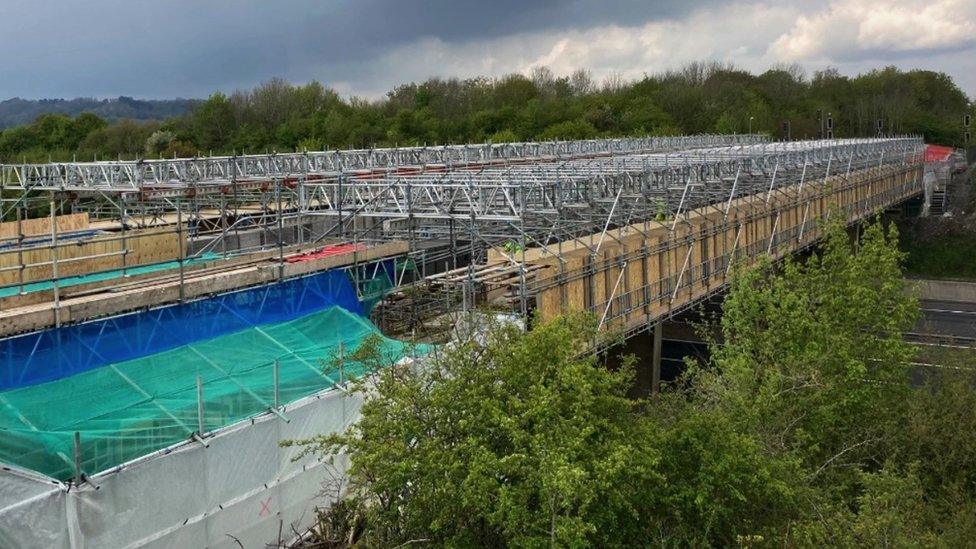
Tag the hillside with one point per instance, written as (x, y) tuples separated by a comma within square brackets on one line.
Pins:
[(17, 111), (783, 102)]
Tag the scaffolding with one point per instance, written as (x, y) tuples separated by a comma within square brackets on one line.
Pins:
[(495, 213), (454, 207), (633, 230), (182, 213)]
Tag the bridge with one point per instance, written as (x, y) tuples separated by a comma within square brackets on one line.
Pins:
[(190, 304), (630, 229)]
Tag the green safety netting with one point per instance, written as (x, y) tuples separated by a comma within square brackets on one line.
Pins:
[(373, 290), (128, 409)]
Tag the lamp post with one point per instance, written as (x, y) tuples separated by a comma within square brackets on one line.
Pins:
[(750, 124)]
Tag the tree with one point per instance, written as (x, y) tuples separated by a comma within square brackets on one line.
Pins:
[(123, 139), (581, 82), (699, 98), (579, 129), (812, 359), (158, 142), (519, 439), (213, 123), (802, 429)]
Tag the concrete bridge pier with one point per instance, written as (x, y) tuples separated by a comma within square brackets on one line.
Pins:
[(646, 347)]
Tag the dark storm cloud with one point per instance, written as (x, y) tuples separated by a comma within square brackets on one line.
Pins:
[(162, 48)]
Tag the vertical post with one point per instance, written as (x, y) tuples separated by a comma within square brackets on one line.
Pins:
[(523, 299), (563, 290), (277, 383), (281, 240), (179, 243), (338, 203), (20, 248), (54, 264), (300, 211), (223, 225), (77, 452), (125, 246), (200, 423), (472, 235), (656, 358), (450, 226)]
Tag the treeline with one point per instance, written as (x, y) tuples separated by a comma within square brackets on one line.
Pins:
[(18, 111), (701, 98)]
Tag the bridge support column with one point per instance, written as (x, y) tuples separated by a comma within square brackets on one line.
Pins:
[(656, 358)]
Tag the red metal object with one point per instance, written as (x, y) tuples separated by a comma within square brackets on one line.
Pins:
[(326, 252), (937, 153)]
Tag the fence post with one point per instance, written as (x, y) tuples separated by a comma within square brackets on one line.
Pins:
[(77, 448), (200, 425), (179, 243), (277, 381), (54, 264)]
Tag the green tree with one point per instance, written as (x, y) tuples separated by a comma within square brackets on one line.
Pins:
[(700, 98), (812, 359), (213, 123), (579, 129), (802, 430), (124, 139), (519, 439)]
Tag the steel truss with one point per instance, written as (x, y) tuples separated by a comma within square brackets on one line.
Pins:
[(468, 198), (168, 175), (551, 201), (224, 194)]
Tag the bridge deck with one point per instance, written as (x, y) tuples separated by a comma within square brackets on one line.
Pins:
[(635, 275)]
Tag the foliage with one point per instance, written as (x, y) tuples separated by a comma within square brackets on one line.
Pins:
[(950, 254), (700, 98), (813, 350), (804, 429), (813, 368), (517, 440), (944, 247), (17, 111)]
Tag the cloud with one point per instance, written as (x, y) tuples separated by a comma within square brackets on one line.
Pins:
[(851, 35), (871, 29), (190, 47), (738, 33), (148, 48)]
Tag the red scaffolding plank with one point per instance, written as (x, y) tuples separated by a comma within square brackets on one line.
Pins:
[(937, 153), (325, 252)]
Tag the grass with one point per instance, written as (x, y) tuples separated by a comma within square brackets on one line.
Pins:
[(947, 256), (942, 248)]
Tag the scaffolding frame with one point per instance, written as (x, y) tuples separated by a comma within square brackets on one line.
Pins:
[(219, 198), (468, 198), (576, 202)]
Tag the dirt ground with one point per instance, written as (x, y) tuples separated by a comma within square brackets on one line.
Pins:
[(962, 220)]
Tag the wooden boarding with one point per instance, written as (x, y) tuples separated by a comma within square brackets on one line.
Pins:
[(114, 300), (646, 271), (41, 226), (499, 273), (40, 296), (88, 255)]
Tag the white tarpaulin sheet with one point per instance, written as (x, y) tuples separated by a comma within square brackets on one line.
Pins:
[(244, 487)]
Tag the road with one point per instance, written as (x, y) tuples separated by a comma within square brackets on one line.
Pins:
[(947, 322)]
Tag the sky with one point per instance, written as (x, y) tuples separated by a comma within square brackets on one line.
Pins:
[(192, 48)]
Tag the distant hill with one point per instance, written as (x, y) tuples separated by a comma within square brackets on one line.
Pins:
[(17, 111)]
